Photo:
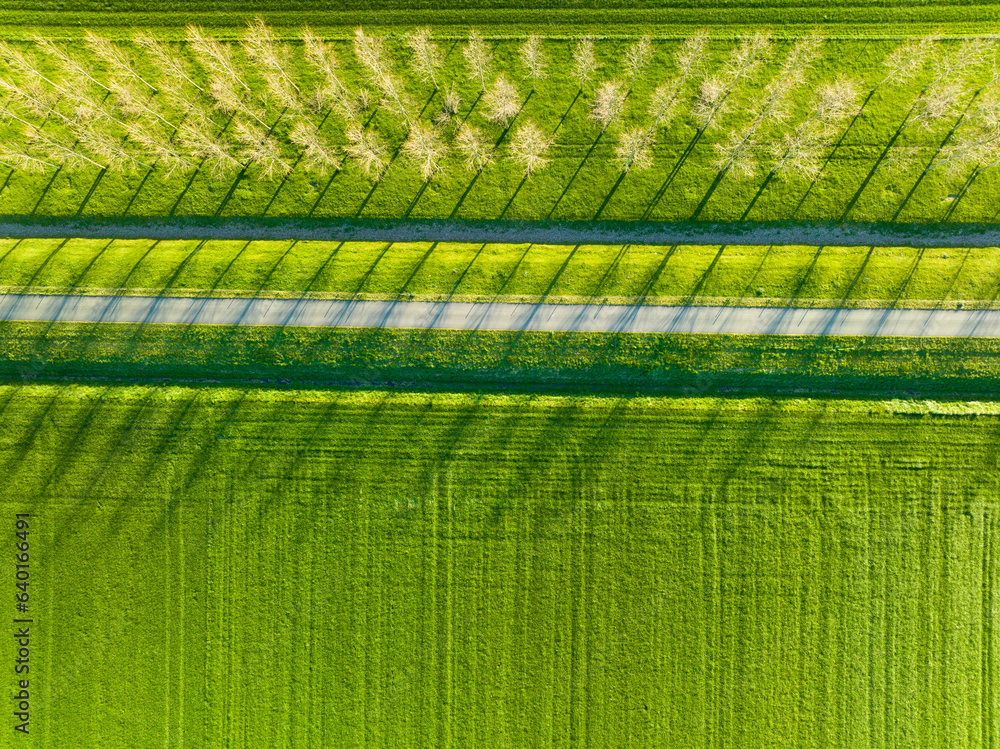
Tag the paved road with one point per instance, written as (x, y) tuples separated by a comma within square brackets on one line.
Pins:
[(847, 234), (483, 316)]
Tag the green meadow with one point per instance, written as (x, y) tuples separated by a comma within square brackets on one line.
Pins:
[(218, 567)]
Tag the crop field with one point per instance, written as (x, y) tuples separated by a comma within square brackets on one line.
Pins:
[(262, 568), (881, 165), (739, 274)]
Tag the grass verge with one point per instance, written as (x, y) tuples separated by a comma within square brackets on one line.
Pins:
[(678, 274), (502, 361)]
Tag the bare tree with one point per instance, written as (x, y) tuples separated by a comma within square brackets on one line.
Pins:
[(198, 139), (691, 57), (108, 148), (371, 53), (365, 147), (528, 147), (637, 57), (450, 104), (228, 100), (260, 151), (475, 147), (133, 103), (216, 58), (533, 60), (317, 155), (69, 65), (55, 151), (18, 157), (906, 61), (114, 57), (394, 98), (478, 58), (635, 149), (800, 150), (609, 101), (501, 102), (424, 147), (321, 56), (158, 147), (273, 63), (585, 63), (34, 97), (21, 63), (770, 108), (427, 58), (714, 93), (168, 63)]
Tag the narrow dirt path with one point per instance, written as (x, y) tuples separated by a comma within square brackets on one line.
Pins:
[(520, 232)]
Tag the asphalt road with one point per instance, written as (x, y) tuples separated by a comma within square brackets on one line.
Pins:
[(484, 316)]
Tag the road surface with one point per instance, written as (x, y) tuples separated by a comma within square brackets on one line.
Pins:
[(582, 318)]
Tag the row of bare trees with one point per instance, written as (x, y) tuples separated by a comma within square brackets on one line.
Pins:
[(230, 107)]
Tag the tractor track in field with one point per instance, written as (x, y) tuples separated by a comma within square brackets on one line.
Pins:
[(847, 234), (568, 318)]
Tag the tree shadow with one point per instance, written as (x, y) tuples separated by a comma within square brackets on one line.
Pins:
[(961, 196), (607, 198), (708, 194), (231, 192), (371, 270), (323, 192), (572, 178), (45, 190), (878, 162), (6, 182), (468, 189), (930, 163), (416, 199), (670, 176), (465, 271), (90, 192), (566, 113), (833, 151), (138, 190), (756, 197), (514, 196)]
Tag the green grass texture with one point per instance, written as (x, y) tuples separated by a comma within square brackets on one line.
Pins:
[(259, 568), (730, 274), (582, 181), (483, 361), (670, 17)]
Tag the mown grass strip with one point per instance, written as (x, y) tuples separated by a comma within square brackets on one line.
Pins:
[(490, 361), (442, 271)]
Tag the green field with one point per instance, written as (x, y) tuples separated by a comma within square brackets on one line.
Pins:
[(582, 181), (732, 274), (257, 568)]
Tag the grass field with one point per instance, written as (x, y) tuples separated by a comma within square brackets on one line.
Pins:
[(258, 568), (771, 275), (582, 182)]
